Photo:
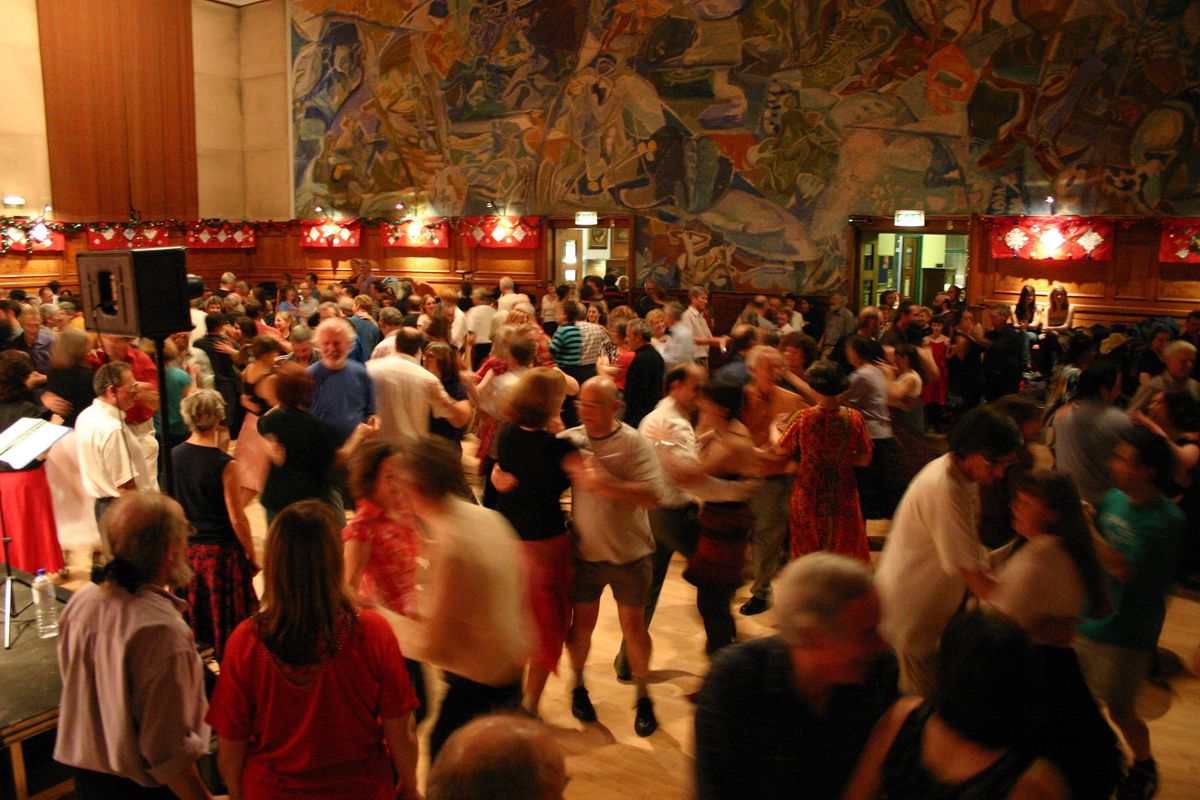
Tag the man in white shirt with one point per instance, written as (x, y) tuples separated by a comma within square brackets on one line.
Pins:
[(479, 326), (390, 321), (614, 545), (681, 344), (111, 461), (132, 711), (933, 552), (509, 297), (406, 393), (674, 521), (694, 319), (474, 622)]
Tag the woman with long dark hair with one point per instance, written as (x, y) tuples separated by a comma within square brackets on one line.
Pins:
[(312, 687), (969, 740), (1053, 580), (727, 453)]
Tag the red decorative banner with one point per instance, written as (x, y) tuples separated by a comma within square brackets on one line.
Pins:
[(1056, 238), (121, 237), (220, 234), (517, 232), (338, 233), (428, 233), (44, 238), (1179, 241)]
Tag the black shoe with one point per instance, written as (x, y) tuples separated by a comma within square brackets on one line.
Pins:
[(621, 666), (1140, 784), (581, 705), (755, 605), (645, 723)]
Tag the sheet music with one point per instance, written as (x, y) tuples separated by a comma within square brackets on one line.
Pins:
[(28, 438)]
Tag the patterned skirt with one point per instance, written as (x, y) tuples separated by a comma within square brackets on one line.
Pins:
[(721, 551), (221, 594)]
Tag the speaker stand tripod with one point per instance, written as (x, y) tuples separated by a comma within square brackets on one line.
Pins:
[(10, 612)]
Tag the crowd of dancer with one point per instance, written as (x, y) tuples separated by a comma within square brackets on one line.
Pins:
[(1024, 575)]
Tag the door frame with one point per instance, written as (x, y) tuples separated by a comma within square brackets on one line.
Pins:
[(942, 224)]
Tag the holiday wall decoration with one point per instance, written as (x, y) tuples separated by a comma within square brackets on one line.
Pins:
[(1051, 238), (1179, 241)]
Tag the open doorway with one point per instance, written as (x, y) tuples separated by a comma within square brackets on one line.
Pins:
[(598, 249), (915, 265)]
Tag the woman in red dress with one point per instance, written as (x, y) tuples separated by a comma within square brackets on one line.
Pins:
[(831, 440), (313, 699)]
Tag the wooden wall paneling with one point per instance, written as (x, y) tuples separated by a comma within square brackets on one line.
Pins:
[(1130, 287), (1179, 283), (1135, 263), (120, 109), (81, 54), (157, 75)]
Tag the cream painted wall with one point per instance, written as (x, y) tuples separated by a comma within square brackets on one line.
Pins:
[(24, 155), (243, 142), (263, 57), (220, 148)]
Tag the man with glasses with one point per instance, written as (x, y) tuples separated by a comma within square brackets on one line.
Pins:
[(111, 461), (933, 549)]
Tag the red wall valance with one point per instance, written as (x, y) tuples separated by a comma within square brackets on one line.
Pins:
[(1051, 238)]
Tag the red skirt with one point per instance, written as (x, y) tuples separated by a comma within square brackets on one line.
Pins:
[(27, 516), (550, 566), (721, 550), (221, 594)]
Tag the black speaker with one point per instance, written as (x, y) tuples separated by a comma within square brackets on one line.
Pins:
[(135, 292)]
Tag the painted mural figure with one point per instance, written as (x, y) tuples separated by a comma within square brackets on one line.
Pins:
[(759, 125)]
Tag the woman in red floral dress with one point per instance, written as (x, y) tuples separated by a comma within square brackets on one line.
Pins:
[(830, 440)]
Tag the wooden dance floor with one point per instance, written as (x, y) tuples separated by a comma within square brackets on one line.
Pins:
[(608, 760)]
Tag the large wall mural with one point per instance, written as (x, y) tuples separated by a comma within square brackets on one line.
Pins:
[(743, 133)]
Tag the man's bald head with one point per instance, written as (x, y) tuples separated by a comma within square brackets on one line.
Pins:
[(498, 757), (598, 404)]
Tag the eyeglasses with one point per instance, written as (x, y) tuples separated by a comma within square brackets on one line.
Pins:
[(1006, 461)]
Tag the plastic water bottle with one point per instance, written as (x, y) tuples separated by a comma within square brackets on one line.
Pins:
[(45, 606)]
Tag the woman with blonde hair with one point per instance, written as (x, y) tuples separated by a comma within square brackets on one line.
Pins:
[(221, 548), (1057, 321), (541, 464), (313, 693), (657, 319)]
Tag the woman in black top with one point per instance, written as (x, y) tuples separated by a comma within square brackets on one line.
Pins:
[(303, 449), (257, 398), (971, 740), (442, 361), (541, 465), (27, 512), (221, 548), (68, 382)]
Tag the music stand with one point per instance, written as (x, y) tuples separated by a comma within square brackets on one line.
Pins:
[(9, 602)]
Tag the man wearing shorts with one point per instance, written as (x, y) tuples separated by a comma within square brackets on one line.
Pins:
[(1143, 532), (613, 542)]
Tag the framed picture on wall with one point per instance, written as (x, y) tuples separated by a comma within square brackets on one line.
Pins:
[(868, 292), (621, 236), (869, 257), (598, 238), (885, 269)]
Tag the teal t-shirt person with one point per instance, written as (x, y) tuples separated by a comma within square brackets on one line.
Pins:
[(1149, 537)]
